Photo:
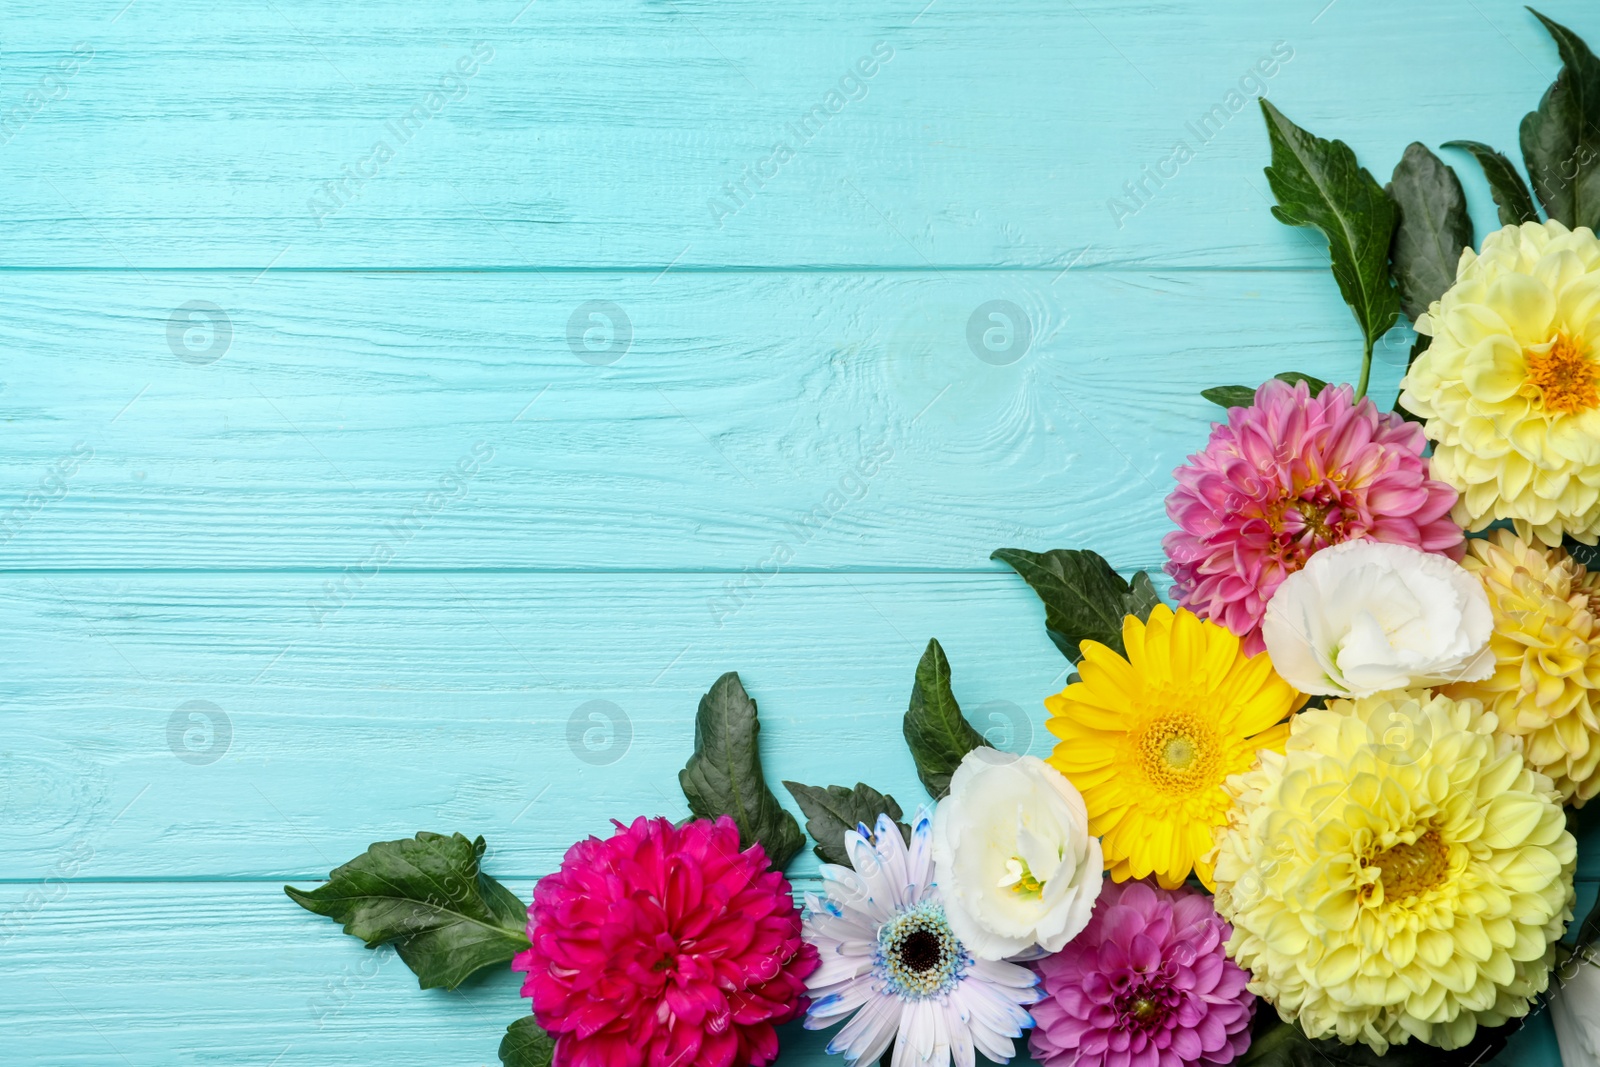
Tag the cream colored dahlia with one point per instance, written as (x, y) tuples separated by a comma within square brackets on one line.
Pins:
[(1546, 644), (1510, 385), (1397, 872)]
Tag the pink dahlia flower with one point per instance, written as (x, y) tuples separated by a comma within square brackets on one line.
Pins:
[(1288, 476), (665, 946), (1145, 985)]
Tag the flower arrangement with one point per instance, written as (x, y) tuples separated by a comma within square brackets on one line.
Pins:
[(1314, 810)]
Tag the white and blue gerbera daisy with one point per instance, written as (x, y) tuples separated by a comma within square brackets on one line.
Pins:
[(892, 965)]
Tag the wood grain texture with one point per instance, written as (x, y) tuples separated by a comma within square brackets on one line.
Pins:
[(219, 973), (199, 134), (459, 702), (402, 557), (842, 420)]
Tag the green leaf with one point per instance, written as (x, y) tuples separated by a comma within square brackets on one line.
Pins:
[(724, 775), (936, 731), (1275, 1043), (1294, 377), (1434, 227), (1230, 396), (1510, 192), (447, 918), (1084, 599), (1242, 396), (526, 1045), (1561, 139), (1319, 183), (832, 810)]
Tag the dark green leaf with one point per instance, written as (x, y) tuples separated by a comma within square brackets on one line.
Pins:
[(1510, 192), (1561, 140), (1319, 183), (526, 1045), (831, 810), (1279, 1044), (1230, 396), (1434, 227), (1084, 599), (724, 775), (427, 894), (936, 731), (1242, 396)]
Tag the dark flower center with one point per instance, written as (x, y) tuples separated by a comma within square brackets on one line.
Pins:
[(918, 954), (921, 951)]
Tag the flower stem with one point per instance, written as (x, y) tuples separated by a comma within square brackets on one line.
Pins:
[(1366, 370)]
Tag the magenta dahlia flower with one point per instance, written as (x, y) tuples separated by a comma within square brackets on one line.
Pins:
[(1288, 476), (665, 946), (1145, 985)]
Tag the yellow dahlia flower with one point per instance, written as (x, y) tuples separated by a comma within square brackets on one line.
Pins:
[(1510, 385), (1150, 739), (1398, 872), (1546, 644)]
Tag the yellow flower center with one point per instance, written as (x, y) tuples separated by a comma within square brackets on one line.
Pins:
[(1408, 871), (1020, 880), (1178, 753), (1563, 379)]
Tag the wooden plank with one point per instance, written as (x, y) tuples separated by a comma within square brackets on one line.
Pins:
[(195, 974), (181, 135), (801, 421), (203, 726), (456, 702)]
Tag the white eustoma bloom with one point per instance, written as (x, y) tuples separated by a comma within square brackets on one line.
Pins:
[(1364, 616), (1013, 855), (1575, 1010)]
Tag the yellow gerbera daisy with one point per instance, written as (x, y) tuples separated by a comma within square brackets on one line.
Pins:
[(1398, 872), (1510, 384), (1546, 644), (1149, 740)]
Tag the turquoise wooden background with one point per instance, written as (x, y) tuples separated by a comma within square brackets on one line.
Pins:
[(330, 508)]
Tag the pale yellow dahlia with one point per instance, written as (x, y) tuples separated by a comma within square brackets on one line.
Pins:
[(1546, 643), (1397, 872), (1510, 385)]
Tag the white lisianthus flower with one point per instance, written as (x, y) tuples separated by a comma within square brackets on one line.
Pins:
[(1013, 855), (1365, 616), (1575, 1010)]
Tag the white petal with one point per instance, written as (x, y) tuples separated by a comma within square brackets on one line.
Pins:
[(864, 1037)]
